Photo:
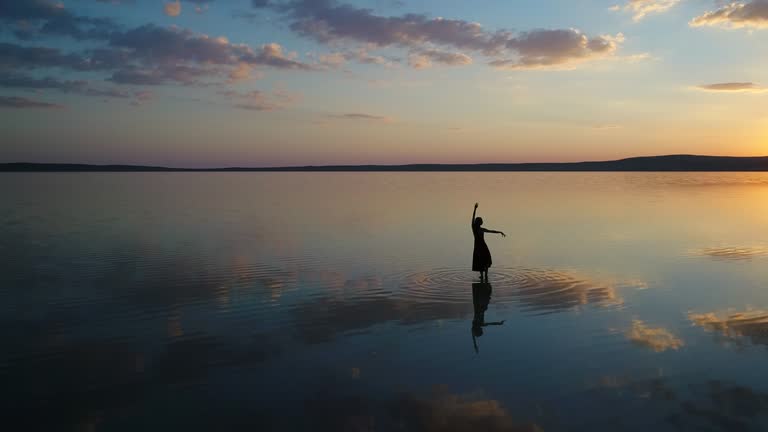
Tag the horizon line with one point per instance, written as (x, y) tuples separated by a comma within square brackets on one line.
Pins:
[(362, 165)]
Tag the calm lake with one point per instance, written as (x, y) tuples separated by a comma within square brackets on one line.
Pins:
[(346, 302)]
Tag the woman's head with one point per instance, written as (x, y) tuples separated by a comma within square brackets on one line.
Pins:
[(478, 221)]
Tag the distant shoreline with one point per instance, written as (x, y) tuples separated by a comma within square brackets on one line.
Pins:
[(670, 163)]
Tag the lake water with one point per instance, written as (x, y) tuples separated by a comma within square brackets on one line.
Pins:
[(346, 302)]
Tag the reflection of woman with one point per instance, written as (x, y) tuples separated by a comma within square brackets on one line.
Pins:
[(481, 256), (481, 297)]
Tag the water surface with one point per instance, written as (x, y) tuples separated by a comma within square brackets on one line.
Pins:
[(344, 301)]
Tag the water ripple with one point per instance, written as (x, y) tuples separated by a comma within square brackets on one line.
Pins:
[(743, 253), (536, 290)]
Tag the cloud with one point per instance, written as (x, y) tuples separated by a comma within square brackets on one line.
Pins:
[(544, 49), (84, 88), (417, 61), (657, 339), (337, 59), (333, 60), (188, 75), (22, 103), (172, 9), (157, 44), (363, 56), (13, 56), (642, 8), (424, 59), (732, 87), (733, 326), (71, 86), (142, 97), (361, 116), (106, 93), (752, 14), (328, 21), (272, 55), (155, 55), (139, 77), (241, 72), (24, 81), (257, 100), (34, 18)]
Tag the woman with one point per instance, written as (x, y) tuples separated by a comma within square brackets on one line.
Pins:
[(481, 257)]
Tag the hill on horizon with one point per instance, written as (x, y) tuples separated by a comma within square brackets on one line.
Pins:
[(642, 163)]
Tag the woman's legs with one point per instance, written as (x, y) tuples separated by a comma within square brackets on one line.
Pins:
[(484, 273)]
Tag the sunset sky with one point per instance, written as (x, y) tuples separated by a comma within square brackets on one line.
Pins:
[(210, 83)]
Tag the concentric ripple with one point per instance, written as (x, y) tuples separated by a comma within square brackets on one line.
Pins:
[(550, 290), (450, 285), (534, 289)]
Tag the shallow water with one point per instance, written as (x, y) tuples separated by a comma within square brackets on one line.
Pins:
[(344, 301)]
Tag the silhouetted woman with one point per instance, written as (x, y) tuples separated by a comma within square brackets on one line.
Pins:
[(481, 257)]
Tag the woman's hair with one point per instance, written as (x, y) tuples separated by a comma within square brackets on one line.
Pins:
[(478, 221)]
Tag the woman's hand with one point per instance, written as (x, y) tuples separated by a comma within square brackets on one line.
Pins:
[(475, 205), (503, 235)]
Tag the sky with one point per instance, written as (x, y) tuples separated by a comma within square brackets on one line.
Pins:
[(215, 83)]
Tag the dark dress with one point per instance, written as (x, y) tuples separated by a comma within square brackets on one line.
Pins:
[(481, 257)]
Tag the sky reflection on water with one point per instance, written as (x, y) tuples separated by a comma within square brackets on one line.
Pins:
[(344, 301)]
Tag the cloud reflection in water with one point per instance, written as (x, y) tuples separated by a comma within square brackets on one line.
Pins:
[(733, 326)]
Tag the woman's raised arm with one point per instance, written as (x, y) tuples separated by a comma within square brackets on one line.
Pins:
[(474, 212)]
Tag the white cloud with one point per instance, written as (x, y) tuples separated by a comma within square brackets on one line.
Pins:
[(257, 100), (241, 72), (336, 23), (425, 58), (752, 14), (642, 8), (732, 87), (558, 49)]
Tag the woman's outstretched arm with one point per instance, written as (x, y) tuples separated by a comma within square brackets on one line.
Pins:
[(474, 212), (494, 323), (495, 232)]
